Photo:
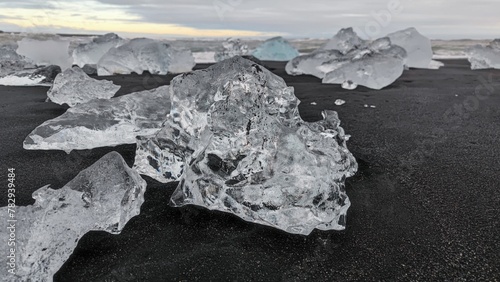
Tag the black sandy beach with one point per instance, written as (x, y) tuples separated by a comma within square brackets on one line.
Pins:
[(425, 202)]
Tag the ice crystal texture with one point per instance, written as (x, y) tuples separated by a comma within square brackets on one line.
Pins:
[(344, 41), (46, 52), (231, 47), (104, 196), (375, 67), (90, 53), (236, 140), (73, 86), (142, 54), (275, 49), (485, 57), (101, 122), (418, 47)]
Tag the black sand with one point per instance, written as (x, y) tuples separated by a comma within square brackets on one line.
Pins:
[(425, 202)]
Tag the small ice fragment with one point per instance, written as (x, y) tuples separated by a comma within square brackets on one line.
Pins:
[(339, 102), (314, 103)]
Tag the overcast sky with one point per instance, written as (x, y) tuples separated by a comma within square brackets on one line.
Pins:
[(447, 19)]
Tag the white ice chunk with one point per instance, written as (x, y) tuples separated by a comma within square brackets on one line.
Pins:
[(73, 86), (236, 140), (376, 67), (100, 123), (46, 52), (418, 47), (104, 197), (231, 47), (339, 102), (90, 53), (275, 49), (485, 57), (344, 41), (142, 54), (310, 64)]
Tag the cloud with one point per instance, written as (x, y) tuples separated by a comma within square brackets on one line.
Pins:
[(320, 18)]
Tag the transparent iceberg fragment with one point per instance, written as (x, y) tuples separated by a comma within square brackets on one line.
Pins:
[(73, 86), (142, 54), (239, 145), (46, 52), (100, 123), (485, 57), (231, 47), (10, 61), (375, 67), (181, 61), (275, 49), (309, 64), (344, 41), (418, 47), (105, 196), (90, 53)]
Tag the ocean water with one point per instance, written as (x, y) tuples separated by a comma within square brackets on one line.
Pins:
[(204, 49)]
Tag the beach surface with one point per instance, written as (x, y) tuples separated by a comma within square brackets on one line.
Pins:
[(425, 201)]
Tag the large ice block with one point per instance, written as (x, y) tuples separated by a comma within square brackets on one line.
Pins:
[(90, 53), (375, 67), (344, 41), (103, 122), (104, 197), (310, 64), (485, 57), (275, 49), (236, 140), (418, 47), (73, 86), (46, 52), (142, 54)]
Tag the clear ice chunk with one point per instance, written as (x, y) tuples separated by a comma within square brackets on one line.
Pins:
[(105, 196), (10, 61), (344, 41), (181, 61), (418, 47), (142, 54), (309, 64), (99, 123), (485, 57), (236, 140), (375, 67), (90, 53), (275, 49), (231, 47), (73, 86), (46, 52)]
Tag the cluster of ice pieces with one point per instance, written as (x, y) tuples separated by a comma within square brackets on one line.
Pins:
[(102, 122), (10, 61), (350, 61), (485, 57), (275, 49), (142, 54), (73, 86), (91, 53), (104, 196), (231, 47), (236, 142)]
